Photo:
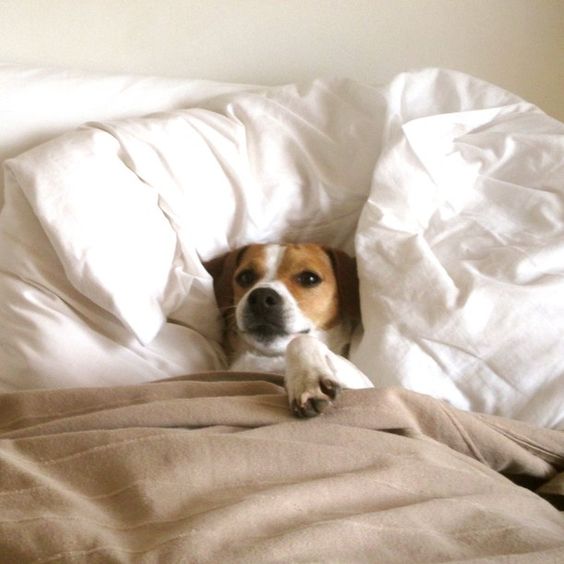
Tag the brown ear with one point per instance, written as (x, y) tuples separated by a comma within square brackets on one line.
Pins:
[(222, 269), (347, 282)]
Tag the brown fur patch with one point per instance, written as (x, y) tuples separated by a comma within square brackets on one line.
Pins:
[(319, 303), (251, 259)]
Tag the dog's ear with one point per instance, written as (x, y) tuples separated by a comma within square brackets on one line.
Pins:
[(222, 269), (346, 274)]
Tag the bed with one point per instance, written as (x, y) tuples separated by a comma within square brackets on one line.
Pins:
[(123, 437)]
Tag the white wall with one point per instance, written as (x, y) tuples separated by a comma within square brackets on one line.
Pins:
[(518, 44)]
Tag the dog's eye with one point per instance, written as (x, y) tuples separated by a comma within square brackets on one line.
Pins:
[(246, 278), (308, 279)]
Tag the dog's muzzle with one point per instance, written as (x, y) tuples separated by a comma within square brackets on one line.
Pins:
[(263, 316)]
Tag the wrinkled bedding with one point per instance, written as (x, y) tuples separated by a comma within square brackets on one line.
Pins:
[(448, 190), (215, 469)]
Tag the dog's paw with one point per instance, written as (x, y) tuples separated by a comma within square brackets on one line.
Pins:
[(310, 378), (311, 395)]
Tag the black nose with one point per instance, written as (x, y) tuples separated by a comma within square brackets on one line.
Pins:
[(264, 301)]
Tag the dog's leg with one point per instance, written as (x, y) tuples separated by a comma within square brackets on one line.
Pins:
[(314, 375)]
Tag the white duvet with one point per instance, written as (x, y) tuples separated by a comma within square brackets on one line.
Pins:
[(450, 192)]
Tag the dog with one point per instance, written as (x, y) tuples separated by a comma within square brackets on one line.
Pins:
[(290, 309)]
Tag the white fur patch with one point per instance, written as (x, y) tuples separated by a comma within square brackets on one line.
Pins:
[(274, 254)]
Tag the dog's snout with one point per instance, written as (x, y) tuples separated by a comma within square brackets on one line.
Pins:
[(264, 299), (263, 316)]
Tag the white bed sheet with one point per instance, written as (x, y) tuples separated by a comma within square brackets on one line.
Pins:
[(457, 184)]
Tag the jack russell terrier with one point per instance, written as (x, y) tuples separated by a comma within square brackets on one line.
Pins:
[(290, 309)]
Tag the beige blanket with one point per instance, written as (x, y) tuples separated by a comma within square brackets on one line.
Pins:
[(215, 469)]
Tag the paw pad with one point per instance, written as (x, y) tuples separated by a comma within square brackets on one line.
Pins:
[(311, 404)]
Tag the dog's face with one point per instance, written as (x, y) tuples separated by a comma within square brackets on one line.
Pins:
[(279, 291), (283, 291)]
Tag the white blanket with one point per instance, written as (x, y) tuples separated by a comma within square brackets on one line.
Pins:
[(449, 191)]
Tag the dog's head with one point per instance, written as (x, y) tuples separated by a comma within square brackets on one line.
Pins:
[(271, 293)]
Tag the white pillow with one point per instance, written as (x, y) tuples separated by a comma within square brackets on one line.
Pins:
[(461, 253), (37, 104), (131, 207)]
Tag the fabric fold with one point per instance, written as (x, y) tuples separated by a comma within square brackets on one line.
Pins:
[(214, 466)]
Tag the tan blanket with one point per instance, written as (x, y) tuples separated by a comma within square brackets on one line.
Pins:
[(215, 469)]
